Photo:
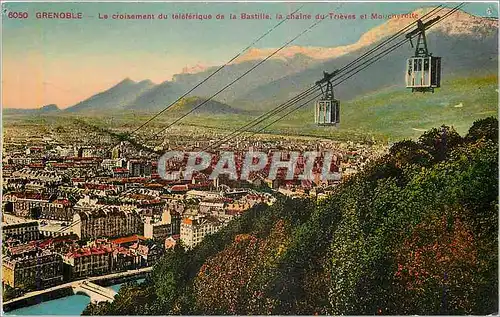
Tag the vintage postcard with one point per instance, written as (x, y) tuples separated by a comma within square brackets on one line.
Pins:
[(249, 158)]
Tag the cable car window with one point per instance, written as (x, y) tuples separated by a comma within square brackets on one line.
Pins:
[(415, 65), (433, 76), (409, 67), (420, 64), (426, 64)]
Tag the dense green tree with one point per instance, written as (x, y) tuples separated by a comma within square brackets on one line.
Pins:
[(409, 152), (415, 232), (439, 141), (484, 129), (437, 264), (236, 280)]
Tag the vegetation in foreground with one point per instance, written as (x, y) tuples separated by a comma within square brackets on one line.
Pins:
[(414, 233)]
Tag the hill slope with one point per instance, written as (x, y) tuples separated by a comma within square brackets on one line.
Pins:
[(47, 109), (416, 226), (155, 98), (211, 106), (115, 98), (459, 54), (397, 113), (393, 114), (459, 39), (467, 45)]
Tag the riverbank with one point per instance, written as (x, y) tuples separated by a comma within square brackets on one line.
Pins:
[(72, 305), (113, 280), (38, 298), (67, 289)]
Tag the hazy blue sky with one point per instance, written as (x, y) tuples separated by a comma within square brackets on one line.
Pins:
[(63, 61)]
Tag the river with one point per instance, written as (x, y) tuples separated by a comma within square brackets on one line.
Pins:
[(69, 305)]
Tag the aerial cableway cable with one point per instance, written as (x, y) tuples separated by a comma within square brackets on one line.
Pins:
[(266, 115), (356, 71), (390, 39), (310, 90), (243, 75), (379, 56), (213, 73), (340, 80), (220, 68), (371, 62), (315, 88)]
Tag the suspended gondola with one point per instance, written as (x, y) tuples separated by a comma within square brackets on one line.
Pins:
[(423, 71), (327, 109), (423, 74)]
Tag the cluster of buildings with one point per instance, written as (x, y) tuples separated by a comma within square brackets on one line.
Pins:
[(73, 207), (29, 267), (104, 256), (43, 263)]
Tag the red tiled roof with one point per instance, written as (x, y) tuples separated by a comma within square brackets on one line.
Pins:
[(120, 169), (179, 188), (98, 251), (30, 195), (133, 238), (64, 202), (63, 165), (22, 248), (89, 251)]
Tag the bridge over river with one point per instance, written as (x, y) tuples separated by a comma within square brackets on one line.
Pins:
[(95, 292), (87, 287)]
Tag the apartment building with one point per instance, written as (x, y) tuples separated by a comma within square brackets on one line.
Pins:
[(195, 228), (88, 261), (106, 221), (20, 229), (28, 267), (39, 205)]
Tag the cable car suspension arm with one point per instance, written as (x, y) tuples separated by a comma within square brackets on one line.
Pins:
[(421, 40)]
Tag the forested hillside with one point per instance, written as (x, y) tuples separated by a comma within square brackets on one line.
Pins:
[(414, 233)]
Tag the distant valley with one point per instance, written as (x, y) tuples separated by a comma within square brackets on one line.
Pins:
[(467, 45)]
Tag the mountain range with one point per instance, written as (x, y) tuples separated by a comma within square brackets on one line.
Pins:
[(115, 98), (47, 109), (466, 43)]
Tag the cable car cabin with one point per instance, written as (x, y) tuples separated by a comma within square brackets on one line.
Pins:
[(423, 73), (327, 112)]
